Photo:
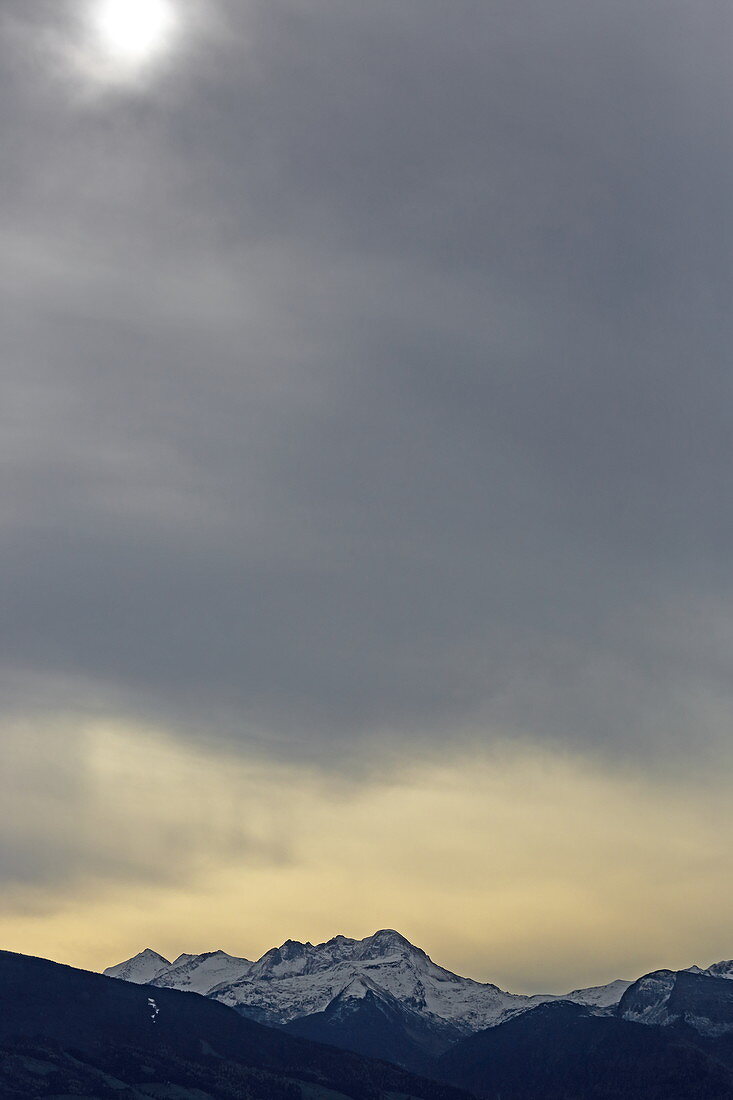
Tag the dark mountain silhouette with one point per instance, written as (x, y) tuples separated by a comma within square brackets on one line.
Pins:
[(68, 1032), (561, 1051)]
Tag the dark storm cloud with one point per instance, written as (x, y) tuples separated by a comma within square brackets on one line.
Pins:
[(369, 375)]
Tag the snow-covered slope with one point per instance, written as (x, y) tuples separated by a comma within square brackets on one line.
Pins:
[(721, 970), (193, 973), (702, 999), (300, 979), (140, 969), (598, 996), (202, 973)]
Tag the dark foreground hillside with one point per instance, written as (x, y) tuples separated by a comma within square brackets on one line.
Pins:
[(66, 1032), (560, 1051)]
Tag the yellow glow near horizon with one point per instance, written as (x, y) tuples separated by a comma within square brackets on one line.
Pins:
[(527, 867), (133, 32)]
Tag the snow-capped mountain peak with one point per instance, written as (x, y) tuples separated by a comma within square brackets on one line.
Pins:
[(291, 958), (297, 979), (386, 942), (140, 969), (302, 979), (197, 973), (202, 973)]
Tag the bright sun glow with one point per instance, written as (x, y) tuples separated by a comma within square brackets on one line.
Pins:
[(133, 31)]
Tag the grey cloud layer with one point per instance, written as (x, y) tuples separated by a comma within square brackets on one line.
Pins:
[(369, 376)]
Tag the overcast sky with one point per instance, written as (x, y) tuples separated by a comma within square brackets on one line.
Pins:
[(366, 408)]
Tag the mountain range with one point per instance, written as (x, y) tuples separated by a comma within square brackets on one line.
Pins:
[(384, 997), (67, 1032), (344, 990)]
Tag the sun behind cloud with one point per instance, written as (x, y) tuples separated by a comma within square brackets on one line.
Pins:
[(133, 30), (125, 41)]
